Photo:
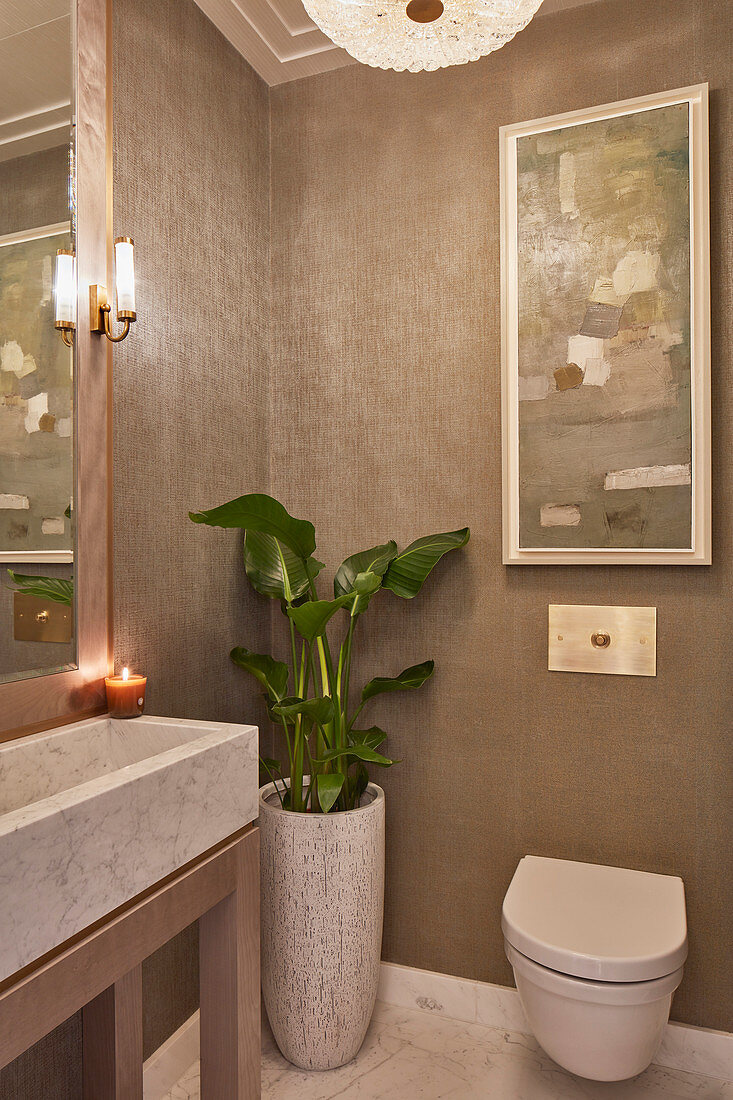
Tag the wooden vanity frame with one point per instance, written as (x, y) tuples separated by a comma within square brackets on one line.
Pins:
[(100, 972)]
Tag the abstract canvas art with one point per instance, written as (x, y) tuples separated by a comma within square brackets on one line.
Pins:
[(36, 404), (606, 334)]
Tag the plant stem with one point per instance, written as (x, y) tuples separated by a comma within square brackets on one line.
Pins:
[(296, 778), (290, 755), (274, 783), (347, 668), (355, 715), (293, 652)]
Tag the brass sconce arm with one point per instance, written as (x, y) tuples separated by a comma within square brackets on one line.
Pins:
[(108, 328), (67, 334), (100, 314)]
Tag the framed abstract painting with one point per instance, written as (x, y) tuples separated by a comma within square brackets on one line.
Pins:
[(606, 334)]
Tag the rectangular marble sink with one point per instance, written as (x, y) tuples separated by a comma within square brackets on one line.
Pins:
[(93, 813)]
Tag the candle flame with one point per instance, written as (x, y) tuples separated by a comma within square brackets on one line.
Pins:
[(125, 674)]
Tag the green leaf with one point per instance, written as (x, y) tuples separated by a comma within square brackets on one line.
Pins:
[(274, 570), (319, 709), (329, 788), (260, 512), (57, 589), (272, 703), (406, 575), (365, 586), (374, 560), (409, 679), (357, 752), (272, 674), (373, 737), (312, 618)]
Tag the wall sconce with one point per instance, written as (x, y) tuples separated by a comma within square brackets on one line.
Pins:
[(99, 307), (65, 295)]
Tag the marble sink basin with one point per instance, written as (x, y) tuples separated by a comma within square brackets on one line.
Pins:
[(93, 813)]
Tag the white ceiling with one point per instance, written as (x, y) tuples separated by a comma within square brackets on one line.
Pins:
[(281, 42), (35, 75)]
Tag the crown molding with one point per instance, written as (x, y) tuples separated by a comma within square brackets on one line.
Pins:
[(37, 130)]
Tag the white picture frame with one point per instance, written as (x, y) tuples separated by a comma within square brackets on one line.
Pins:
[(699, 551)]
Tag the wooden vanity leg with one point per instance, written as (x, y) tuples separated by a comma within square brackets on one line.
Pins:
[(229, 956), (112, 1030)]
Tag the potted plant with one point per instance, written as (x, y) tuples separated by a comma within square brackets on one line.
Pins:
[(321, 819)]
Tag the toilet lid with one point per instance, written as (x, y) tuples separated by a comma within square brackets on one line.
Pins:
[(604, 923)]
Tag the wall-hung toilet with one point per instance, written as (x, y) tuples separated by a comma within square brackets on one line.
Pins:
[(597, 953)]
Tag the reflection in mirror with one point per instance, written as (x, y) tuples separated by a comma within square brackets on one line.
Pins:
[(37, 424)]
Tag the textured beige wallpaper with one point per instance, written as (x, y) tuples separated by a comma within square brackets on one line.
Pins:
[(386, 423), (191, 178), (34, 190)]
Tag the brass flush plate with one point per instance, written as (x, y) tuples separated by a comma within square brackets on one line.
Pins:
[(39, 620), (616, 641)]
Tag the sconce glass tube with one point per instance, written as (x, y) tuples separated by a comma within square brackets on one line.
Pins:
[(65, 294), (125, 278)]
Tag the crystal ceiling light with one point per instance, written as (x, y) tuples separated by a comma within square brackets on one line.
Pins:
[(420, 34)]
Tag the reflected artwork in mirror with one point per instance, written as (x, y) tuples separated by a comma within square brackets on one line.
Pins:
[(37, 358)]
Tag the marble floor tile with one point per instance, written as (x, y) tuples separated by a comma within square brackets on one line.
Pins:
[(188, 1088), (408, 1055)]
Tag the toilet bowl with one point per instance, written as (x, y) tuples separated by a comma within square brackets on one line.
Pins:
[(597, 954)]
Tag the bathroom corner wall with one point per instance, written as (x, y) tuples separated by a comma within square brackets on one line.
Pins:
[(386, 424), (191, 186)]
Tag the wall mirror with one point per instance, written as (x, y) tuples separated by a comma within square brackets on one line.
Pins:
[(36, 365), (54, 588)]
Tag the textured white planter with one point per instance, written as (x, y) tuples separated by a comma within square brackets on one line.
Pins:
[(322, 910)]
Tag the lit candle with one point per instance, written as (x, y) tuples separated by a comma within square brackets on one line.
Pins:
[(125, 694)]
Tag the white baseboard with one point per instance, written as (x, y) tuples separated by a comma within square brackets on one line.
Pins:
[(686, 1048), (691, 1049), (167, 1065), (456, 998)]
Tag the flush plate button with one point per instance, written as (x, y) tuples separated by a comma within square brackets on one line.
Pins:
[(620, 641)]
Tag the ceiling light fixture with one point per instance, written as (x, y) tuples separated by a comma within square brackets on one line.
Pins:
[(420, 34)]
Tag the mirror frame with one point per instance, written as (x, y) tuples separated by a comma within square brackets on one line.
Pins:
[(40, 702)]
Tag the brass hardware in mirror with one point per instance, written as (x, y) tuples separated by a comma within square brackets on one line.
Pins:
[(39, 620)]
